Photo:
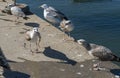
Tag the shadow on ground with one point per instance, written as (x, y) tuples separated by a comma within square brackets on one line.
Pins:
[(4, 61), (32, 24), (7, 72), (115, 71), (49, 52), (51, 69), (15, 74), (6, 19)]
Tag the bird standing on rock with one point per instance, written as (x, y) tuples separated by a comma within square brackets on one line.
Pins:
[(33, 36), (16, 11), (52, 15), (99, 52), (66, 26)]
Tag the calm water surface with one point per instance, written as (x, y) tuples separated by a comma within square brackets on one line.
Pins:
[(98, 22)]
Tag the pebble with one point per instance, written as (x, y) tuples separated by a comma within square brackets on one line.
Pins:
[(62, 69), (81, 65), (80, 55), (79, 73)]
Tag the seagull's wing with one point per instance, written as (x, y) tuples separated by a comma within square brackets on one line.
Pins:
[(57, 13), (17, 11), (102, 53), (21, 13), (51, 8), (39, 38)]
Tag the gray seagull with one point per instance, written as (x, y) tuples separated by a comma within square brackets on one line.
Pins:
[(99, 52), (52, 15), (34, 37)]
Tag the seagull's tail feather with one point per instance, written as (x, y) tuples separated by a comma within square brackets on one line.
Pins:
[(116, 58), (65, 18)]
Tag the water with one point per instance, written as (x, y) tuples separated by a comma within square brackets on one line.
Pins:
[(97, 21)]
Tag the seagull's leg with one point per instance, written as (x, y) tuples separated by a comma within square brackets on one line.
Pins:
[(16, 20), (64, 36), (30, 48), (69, 35), (39, 43), (36, 46)]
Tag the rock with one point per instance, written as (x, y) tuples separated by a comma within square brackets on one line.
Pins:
[(81, 65)]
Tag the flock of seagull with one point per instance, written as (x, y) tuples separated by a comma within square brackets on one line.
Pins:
[(56, 17)]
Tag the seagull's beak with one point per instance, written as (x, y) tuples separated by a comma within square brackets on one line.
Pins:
[(40, 7)]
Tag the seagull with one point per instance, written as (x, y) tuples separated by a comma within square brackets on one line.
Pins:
[(16, 11), (99, 52), (66, 26), (34, 37), (52, 15)]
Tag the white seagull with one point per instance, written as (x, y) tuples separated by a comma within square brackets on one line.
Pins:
[(16, 11), (52, 15), (99, 52), (34, 37), (66, 26)]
